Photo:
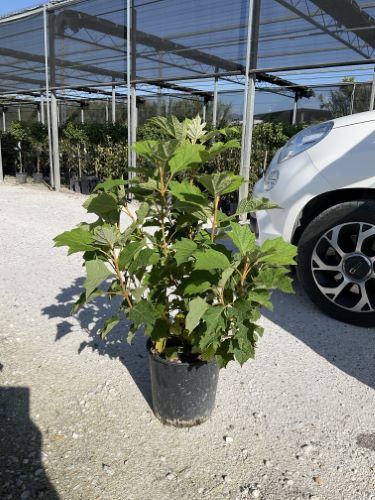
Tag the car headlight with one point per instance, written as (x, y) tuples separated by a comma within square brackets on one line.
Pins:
[(270, 179), (305, 139)]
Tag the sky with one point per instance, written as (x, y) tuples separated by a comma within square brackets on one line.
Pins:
[(7, 6)]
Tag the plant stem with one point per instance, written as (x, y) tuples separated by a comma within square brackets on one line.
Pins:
[(126, 209), (162, 210), (125, 292), (214, 222)]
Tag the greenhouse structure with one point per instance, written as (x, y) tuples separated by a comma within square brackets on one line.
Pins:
[(108, 58)]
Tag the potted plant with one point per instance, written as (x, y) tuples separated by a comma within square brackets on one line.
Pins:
[(38, 141), (18, 130), (197, 301)]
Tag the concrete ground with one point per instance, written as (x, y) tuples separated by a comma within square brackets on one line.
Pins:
[(75, 418)]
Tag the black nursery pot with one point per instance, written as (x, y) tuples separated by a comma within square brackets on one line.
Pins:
[(183, 394), (21, 178), (37, 177)]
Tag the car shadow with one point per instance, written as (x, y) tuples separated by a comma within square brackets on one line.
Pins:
[(22, 473), (350, 348), (91, 318)]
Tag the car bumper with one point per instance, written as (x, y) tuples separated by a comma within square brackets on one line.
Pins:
[(299, 182)]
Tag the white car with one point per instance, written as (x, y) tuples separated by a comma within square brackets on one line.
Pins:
[(323, 180)]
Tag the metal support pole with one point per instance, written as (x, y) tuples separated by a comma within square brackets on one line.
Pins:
[(54, 108), (352, 100), (134, 122), (214, 104), (113, 104), (38, 115), (295, 109), (132, 91), (249, 95), (42, 115), (46, 69), (55, 141), (204, 109), (1, 164), (106, 111), (372, 98), (82, 113), (19, 113), (4, 120)]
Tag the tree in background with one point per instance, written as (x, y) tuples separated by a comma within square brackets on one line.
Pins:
[(38, 137), (352, 97)]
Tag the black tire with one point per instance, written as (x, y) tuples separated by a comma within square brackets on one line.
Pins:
[(336, 262)]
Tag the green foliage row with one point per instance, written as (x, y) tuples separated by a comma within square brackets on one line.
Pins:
[(101, 149), (178, 282)]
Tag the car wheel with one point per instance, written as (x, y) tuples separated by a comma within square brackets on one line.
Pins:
[(336, 262)]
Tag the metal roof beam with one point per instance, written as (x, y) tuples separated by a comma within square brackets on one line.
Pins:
[(76, 20), (320, 13), (349, 14)]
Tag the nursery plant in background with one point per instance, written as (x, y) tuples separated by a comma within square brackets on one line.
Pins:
[(39, 144), (197, 301), (18, 130)]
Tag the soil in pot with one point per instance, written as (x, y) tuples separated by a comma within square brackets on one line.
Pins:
[(21, 178), (183, 394)]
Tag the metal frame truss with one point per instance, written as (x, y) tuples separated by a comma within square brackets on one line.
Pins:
[(344, 21)]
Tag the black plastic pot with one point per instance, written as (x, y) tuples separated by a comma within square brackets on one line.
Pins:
[(183, 394), (37, 177), (21, 178)]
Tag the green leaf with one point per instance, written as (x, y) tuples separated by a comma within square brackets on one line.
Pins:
[(142, 313), (197, 307), (109, 324), (184, 249), (185, 190), (83, 299), (227, 273), (219, 147), (213, 318), (156, 151), (129, 252), (277, 251), (261, 297), (272, 278), (198, 282), (109, 184), (143, 259), (242, 237), (185, 156), (221, 183), (104, 205), (212, 259), (149, 185), (97, 272), (106, 235), (171, 126), (254, 205), (77, 240), (195, 128), (142, 212)]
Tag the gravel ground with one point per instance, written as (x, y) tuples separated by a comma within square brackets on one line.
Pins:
[(75, 420)]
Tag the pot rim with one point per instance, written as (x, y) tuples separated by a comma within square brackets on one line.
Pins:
[(159, 359)]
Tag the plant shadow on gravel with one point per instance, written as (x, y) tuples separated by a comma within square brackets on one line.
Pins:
[(91, 318), (21, 467), (350, 348)]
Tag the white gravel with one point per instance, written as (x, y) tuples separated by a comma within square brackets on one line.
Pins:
[(295, 423)]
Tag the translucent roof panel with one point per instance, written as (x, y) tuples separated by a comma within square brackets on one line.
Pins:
[(90, 42), (177, 41), (22, 54), (185, 39), (312, 32)]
